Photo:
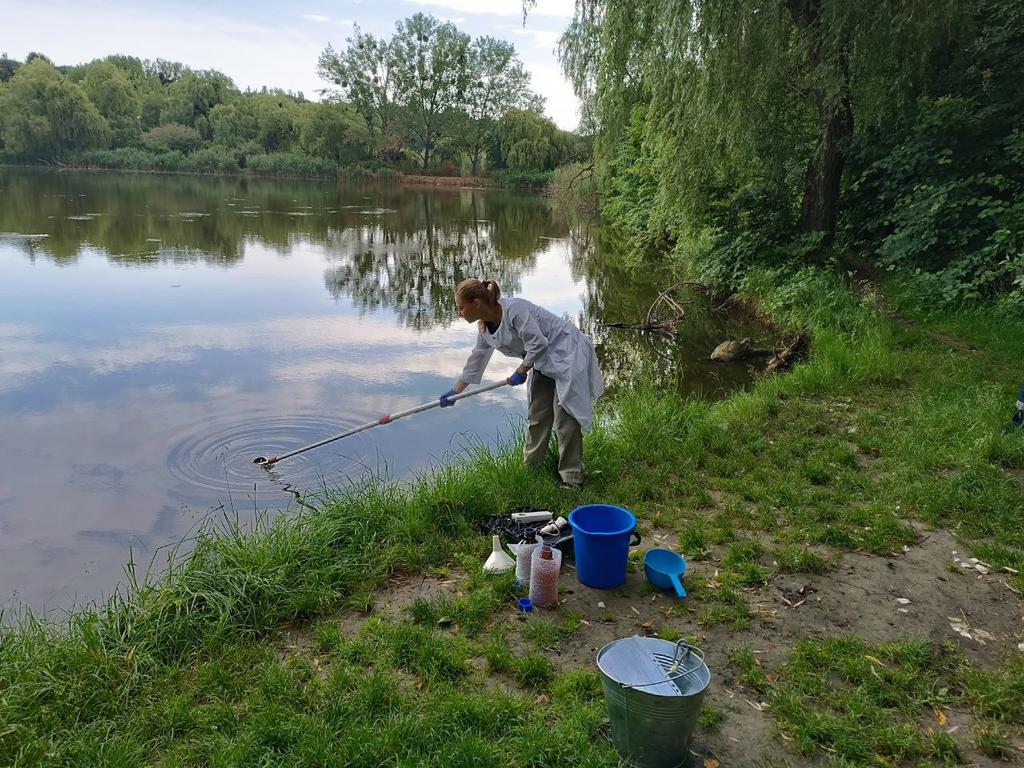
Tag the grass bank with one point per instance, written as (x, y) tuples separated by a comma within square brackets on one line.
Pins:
[(363, 633)]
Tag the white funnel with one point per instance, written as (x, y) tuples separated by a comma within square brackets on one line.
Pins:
[(498, 562)]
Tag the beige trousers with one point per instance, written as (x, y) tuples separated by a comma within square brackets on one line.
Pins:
[(544, 411)]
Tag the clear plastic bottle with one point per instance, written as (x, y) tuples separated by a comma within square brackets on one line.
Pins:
[(524, 556), (544, 568)]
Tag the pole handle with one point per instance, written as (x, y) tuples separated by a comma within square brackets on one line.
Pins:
[(388, 418)]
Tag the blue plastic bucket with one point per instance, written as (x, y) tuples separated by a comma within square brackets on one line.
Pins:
[(602, 537)]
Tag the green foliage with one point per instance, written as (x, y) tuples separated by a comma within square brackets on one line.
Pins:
[(573, 192), (234, 124), (862, 703), (864, 697), (526, 141), (207, 160), (274, 115), (171, 136), (466, 614), (43, 114), (532, 668), (710, 719), (8, 67), (496, 81), (330, 131), (997, 694), (427, 96), (432, 81), (366, 73), (191, 98), (427, 87), (796, 559), (520, 178), (212, 160), (116, 98), (744, 100), (939, 194), (291, 164), (632, 184), (992, 740), (726, 135)]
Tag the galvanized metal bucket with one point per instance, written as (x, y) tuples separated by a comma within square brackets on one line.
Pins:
[(654, 689)]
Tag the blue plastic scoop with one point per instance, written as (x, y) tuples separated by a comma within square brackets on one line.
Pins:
[(665, 570)]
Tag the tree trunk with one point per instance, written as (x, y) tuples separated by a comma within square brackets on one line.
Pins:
[(820, 206)]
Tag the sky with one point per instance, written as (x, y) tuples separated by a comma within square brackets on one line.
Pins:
[(275, 44)]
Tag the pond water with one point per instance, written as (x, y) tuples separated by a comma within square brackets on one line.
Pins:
[(159, 332)]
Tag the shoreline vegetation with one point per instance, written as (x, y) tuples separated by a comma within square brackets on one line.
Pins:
[(273, 169)]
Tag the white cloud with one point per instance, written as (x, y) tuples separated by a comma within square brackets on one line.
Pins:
[(251, 53), (316, 17), (540, 38), (26, 355), (547, 80), (550, 284)]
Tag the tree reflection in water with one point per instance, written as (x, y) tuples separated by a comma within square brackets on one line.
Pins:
[(389, 248), (411, 263), (618, 292)]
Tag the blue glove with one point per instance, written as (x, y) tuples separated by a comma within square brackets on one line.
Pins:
[(445, 402), (516, 378)]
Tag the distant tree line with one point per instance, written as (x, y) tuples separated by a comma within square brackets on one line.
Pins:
[(427, 99)]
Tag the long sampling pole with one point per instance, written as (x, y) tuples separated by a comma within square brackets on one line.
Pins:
[(387, 419)]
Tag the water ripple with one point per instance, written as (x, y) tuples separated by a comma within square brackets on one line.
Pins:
[(216, 457)]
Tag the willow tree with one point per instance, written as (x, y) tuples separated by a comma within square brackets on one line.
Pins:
[(761, 93), (45, 115), (114, 95)]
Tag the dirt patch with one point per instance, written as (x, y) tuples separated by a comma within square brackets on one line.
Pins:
[(389, 603), (878, 598), (919, 593)]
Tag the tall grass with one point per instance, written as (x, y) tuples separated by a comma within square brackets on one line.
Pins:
[(208, 160), (291, 164)]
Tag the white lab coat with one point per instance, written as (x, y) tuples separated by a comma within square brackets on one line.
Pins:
[(552, 346)]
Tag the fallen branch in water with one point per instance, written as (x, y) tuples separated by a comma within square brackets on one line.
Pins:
[(655, 323), (665, 297), (784, 359)]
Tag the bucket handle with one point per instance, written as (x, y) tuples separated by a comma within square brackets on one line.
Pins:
[(638, 539), (682, 651), (684, 648)]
